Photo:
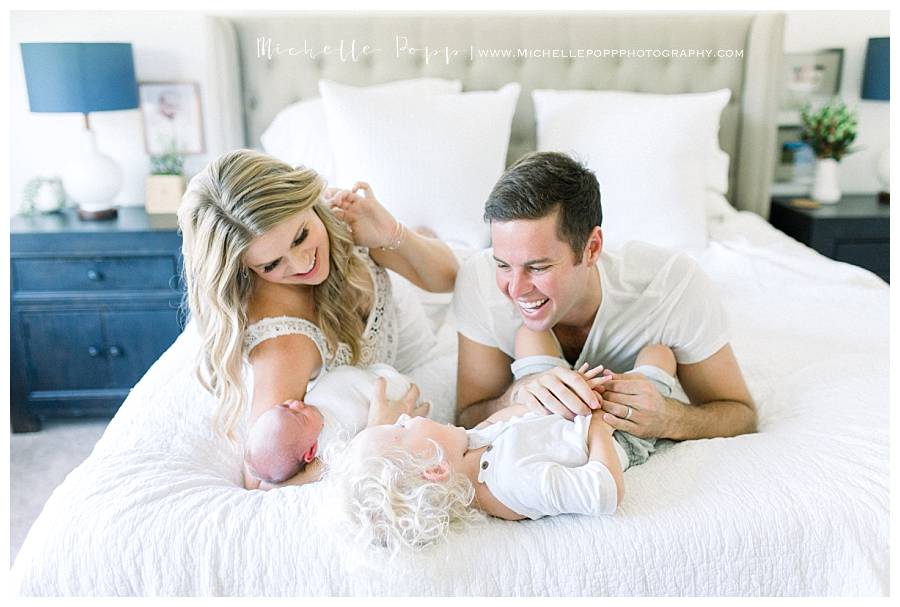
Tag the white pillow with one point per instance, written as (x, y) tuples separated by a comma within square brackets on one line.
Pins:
[(431, 160), (298, 135), (657, 158)]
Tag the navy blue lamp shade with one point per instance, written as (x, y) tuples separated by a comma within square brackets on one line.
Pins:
[(877, 72), (79, 76)]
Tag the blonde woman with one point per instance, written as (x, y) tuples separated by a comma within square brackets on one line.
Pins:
[(275, 275)]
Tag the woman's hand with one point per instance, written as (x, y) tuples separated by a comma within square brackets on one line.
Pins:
[(371, 224), (383, 411), (310, 474), (562, 391), (250, 481), (426, 262)]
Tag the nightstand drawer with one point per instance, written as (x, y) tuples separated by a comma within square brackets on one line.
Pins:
[(64, 350), (86, 350), (94, 274)]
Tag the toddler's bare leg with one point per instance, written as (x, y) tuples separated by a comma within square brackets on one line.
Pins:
[(658, 356), (532, 343)]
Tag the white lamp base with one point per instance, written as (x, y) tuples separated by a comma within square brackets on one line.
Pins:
[(92, 180)]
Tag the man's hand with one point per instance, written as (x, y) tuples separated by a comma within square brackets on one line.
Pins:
[(562, 391), (383, 411), (634, 405)]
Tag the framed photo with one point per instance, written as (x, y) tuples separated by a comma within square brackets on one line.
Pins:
[(172, 118), (808, 75)]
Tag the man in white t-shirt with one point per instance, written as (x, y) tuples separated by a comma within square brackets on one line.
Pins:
[(547, 269)]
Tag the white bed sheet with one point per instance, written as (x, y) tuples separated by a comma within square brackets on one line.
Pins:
[(800, 508)]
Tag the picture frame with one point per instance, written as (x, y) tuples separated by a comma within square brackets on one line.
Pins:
[(172, 118), (810, 75)]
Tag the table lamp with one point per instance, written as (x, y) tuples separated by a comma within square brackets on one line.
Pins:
[(877, 87), (83, 77)]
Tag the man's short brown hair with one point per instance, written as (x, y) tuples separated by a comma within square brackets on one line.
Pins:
[(540, 183)]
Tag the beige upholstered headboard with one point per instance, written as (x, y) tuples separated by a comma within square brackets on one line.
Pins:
[(250, 88)]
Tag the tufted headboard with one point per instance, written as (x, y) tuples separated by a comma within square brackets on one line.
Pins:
[(249, 88)]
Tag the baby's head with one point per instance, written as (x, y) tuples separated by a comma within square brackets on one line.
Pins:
[(283, 440), (402, 484)]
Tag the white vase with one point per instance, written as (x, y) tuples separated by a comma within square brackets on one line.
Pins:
[(826, 188)]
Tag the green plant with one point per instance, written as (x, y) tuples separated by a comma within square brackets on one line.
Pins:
[(169, 162), (830, 130)]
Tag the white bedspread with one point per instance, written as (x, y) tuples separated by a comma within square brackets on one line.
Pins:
[(801, 508)]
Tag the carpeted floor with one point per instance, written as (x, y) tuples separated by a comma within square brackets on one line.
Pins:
[(38, 462)]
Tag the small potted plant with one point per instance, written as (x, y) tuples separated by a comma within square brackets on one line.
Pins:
[(829, 131), (164, 187)]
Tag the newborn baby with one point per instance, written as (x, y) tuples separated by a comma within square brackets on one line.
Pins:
[(287, 437), (283, 440)]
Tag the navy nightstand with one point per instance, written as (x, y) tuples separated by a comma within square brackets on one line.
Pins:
[(856, 230), (93, 305)]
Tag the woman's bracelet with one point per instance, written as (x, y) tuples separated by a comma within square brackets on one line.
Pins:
[(394, 243)]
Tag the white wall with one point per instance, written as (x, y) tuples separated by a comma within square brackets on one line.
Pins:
[(170, 46), (814, 30)]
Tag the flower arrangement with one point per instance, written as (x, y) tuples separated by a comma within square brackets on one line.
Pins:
[(830, 130)]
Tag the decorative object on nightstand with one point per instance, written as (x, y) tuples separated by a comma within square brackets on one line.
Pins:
[(83, 77), (43, 195), (795, 162), (93, 305), (856, 230), (877, 87), (164, 187), (829, 131)]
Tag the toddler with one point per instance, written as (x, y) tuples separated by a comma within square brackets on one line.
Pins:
[(407, 483)]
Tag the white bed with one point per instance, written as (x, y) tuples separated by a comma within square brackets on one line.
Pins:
[(799, 508)]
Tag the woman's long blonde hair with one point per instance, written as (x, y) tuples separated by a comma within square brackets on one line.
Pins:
[(239, 196)]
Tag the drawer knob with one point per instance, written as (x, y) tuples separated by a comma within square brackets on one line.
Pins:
[(94, 275), (115, 351), (93, 351)]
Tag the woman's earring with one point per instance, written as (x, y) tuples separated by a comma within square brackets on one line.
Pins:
[(245, 272)]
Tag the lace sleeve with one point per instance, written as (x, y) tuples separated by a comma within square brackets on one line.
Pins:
[(276, 326)]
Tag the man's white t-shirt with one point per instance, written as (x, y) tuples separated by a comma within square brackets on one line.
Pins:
[(649, 295)]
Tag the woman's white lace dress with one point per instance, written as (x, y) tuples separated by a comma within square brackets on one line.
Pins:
[(380, 338)]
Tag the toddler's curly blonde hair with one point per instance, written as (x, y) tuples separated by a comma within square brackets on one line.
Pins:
[(391, 505)]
